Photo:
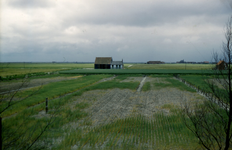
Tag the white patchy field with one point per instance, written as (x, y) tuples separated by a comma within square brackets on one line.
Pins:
[(109, 105), (106, 107)]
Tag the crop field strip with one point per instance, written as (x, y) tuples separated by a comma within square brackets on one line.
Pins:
[(129, 138), (9, 87), (129, 130), (106, 104), (136, 71), (206, 94), (108, 134), (7, 69), (41, 101)]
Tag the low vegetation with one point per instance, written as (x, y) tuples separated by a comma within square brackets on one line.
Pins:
[(146, 86), (73, 128), (173, 83), (136, 132), (173, 66), (135, 71), (50, 91), (13, 70)]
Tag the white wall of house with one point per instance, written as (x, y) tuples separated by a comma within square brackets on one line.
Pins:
[(116, 66)]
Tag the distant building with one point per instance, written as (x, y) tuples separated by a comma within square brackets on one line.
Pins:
[(221, 65), (155, 62), (206, 62), (182, 61), (107, 63)]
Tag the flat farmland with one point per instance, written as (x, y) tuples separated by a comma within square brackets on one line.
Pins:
[(108, 112), (12, 69), (135, 71), (7, 69), (172, 66)]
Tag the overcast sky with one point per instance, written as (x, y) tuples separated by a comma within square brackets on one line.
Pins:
[(132, 30)]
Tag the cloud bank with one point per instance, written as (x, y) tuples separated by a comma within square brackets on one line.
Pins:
[(132, 30)]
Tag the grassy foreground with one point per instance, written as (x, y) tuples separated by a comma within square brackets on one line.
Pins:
[(135, 132)]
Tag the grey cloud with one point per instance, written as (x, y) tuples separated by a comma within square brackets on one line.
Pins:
[(131, 30), (30, 3), (228, 3), (155, 13)]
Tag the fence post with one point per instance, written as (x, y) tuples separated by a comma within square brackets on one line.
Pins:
[(1, 133), (46, 105)]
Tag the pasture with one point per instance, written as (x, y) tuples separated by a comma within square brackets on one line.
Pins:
[(136, 71), (8, 69), (104, 112), (172, 66), (100, 110), (12, 69)]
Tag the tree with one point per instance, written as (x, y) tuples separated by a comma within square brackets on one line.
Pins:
[(19, 137), (211, 120)]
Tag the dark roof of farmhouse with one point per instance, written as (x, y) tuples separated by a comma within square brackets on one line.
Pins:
[(117, 63), (103, 60)]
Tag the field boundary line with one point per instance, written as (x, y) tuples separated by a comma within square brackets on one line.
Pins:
[(141, 84), (208, 96)]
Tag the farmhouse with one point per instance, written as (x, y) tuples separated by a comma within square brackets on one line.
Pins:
[(221, 65), (155, 62), (107, 63)]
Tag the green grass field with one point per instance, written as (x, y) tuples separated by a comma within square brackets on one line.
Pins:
[(172, 66), (9, 69), (135, 71), (135, 132), (50, 91)]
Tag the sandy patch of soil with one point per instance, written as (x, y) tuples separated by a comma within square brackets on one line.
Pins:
[(109, 105), (6, 86)]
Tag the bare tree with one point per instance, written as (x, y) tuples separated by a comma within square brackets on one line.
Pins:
[(18, 137), (211, 120)]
